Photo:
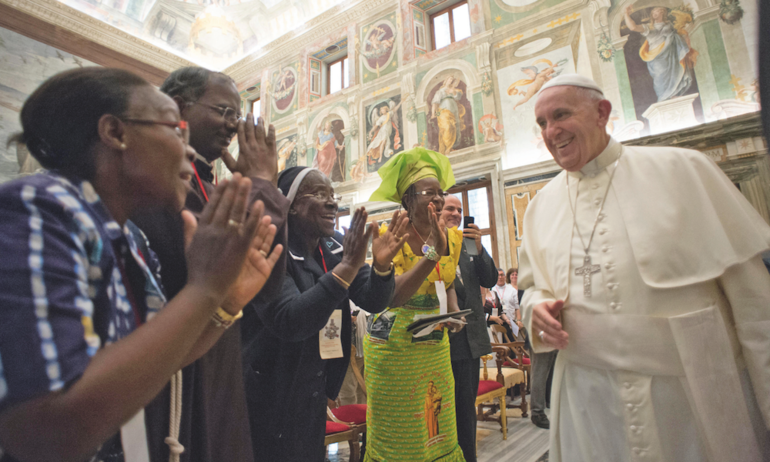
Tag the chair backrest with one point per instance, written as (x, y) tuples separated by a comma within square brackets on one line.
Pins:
[(499, 333)]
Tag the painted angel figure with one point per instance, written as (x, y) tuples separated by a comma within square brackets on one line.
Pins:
[(285, 147), (667, 51), (383, 125), (376, 45), (535, 80)]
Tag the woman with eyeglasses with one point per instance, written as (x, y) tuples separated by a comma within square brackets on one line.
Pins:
[(302, 339), (409, 381), (87, 337)]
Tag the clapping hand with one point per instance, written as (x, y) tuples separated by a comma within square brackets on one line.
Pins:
[(438, 229), (258, 157), (387, 245)]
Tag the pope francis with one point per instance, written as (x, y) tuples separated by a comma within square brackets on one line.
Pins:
[(642, 266)]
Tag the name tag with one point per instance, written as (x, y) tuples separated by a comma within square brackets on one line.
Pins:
[(441, 294), (133, 436), (329, 338)]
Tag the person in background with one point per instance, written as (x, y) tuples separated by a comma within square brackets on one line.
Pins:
[(512, 309), (214, 425), (301, 338), (643, 266), (495, 315), (351, 391), (507, 295), (472, 342), (87, 338), (409, 382)]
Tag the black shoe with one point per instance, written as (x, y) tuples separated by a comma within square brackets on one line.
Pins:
[(541, 420)]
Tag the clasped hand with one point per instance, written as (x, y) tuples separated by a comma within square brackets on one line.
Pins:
[(228, 252)]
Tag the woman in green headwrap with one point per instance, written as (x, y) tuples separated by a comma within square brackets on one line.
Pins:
[(410, 387)]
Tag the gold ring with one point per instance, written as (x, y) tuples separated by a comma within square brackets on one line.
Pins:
[(233, 223), (264, 254)]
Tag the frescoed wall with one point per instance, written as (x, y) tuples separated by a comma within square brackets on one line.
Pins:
[(378, 48), (24, 65), (384, 131)]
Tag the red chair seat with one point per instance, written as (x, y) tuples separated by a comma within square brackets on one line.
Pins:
[(485, 386), (353, 413), (335, 427), (515, 363)]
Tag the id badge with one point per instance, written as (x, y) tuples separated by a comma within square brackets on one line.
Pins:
[(329, 338), (133, 437), (441, 294)]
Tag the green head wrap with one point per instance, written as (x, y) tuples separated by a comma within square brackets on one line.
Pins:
[(406, 168)]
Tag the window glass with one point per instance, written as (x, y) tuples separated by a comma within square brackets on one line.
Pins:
[(462, 22), (256, 108), (486, 241), (343, 221), (478, 207), (335, 77), (441, 30)]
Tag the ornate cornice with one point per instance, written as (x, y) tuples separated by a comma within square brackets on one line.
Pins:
[(709, 134), (70, 19), (333, 20)]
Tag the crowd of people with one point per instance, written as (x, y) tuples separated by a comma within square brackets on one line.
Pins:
[(149, 314)]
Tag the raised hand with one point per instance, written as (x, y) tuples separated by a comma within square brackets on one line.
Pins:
[(356, 241), (387, 245), (258, 157), (544, 320), (222, 238), (438, 229), (472, 231)]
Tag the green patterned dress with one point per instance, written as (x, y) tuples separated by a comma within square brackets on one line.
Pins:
[(410, 388)]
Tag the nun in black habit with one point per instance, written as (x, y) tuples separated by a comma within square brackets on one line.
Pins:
[(285, 342)]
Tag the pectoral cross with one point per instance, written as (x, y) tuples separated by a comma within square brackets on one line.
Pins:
[(586, 270)]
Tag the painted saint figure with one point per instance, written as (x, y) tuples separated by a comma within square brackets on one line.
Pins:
[(382, 128), (670, 58), (447, 111), (432, 409), (285, 148), (327, 149)]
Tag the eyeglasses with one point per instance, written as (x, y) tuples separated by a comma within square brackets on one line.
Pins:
[(430, 193), (324, 196), (229, 114), (181, 127)]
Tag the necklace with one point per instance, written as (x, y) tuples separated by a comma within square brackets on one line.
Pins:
[(588, 269), (425, 247)]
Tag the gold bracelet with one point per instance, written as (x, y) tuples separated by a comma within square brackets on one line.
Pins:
[(383, 273), (339, 279), (222, 318)]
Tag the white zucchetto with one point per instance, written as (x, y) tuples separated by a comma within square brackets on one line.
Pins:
[(573, 80)]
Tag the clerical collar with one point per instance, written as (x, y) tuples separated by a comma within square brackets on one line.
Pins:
[(602, 161), (205, 170)]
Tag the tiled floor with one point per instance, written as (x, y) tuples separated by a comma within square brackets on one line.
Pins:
[(525, 443)]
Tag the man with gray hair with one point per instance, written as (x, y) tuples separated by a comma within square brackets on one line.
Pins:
[(642, 265)]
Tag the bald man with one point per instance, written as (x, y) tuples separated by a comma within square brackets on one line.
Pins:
[(471, 343), (642, 265)]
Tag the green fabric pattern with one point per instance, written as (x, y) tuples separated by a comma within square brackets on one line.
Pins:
[(408, 167), (409, 381)]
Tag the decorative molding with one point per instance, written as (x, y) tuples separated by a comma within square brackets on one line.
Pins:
[(316, 29), (70, 19)]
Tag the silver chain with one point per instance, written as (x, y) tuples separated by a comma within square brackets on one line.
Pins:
[(573, 209)]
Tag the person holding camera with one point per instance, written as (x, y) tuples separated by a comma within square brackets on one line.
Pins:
[(476, 269)]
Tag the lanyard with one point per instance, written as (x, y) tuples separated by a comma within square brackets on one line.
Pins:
[(323, 260), (127, 285), (200, 183), (438, 272)]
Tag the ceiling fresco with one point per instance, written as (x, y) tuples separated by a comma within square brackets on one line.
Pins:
[(211, 33)]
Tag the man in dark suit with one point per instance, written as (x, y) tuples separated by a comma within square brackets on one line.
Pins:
[(468, 345)]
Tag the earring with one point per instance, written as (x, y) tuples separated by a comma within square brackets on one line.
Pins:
[(122, 145)]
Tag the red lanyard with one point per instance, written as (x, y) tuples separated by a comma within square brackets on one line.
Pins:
[(323, 260), (438, 271), (200, 183)]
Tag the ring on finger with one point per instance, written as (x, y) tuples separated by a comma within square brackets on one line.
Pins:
[(541, 334), (264, 254), (233, 223)]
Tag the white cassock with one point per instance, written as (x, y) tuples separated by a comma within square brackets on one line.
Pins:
[(669, 359)]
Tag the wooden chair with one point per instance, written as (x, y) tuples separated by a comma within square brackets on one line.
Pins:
[(519, 357), (487, 392), (352, 416), (338, 433)]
